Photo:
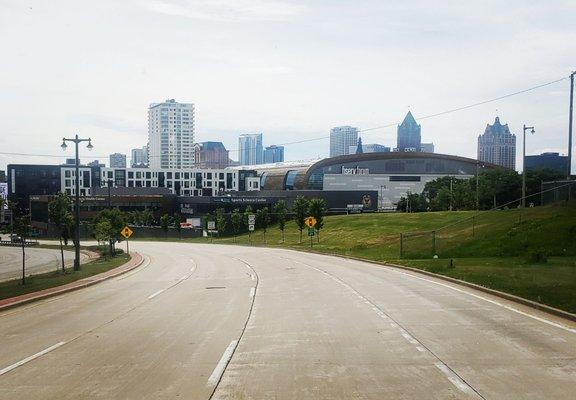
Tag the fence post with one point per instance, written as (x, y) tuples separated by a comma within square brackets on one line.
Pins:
[(401, 245), (433, 243)]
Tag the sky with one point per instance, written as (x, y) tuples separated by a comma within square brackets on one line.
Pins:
[(288, 69)]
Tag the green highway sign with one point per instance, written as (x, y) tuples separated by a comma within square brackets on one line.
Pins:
[(311, 231)]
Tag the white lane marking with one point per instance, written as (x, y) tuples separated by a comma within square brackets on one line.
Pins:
[(183, 278), (252, 292), (221, 366), (192, 269), (155, 294), (455, 379), (420, 348), (253, 277), (409, 337), (32, 357), (492, 301)]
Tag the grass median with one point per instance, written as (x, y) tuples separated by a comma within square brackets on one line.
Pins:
[(48, 280)]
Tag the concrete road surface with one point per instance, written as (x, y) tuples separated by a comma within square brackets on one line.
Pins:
[(37, 261), (225, 322)]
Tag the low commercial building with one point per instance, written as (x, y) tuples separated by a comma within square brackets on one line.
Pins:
[(552, 161)]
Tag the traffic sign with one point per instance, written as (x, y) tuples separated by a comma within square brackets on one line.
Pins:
[(211, 225), (311, 231), (251, 227), (310, 222), (126, 232), (251, 219)]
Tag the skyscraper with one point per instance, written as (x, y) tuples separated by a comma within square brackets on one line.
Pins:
[(171, 135), (211, 155), (273, 154), (139, 157), (408, 137), (117, 160), (341, 138), (497, 145), (250, 149)]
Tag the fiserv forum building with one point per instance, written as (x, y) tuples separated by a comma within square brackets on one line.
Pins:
[(392, 175)]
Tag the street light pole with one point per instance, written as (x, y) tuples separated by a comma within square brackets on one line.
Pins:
[(569, 166), (524, 129), (76, 140)]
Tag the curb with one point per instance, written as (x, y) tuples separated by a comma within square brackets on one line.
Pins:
[(538, 306), (135, 261)]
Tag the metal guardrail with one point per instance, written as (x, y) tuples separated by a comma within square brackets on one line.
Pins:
[(19, 244)]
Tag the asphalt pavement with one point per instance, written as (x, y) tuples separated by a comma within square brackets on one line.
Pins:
[(37, 261), (208, 321)]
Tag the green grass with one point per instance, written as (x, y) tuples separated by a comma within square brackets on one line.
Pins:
[(492, 249), (552, 283), (52, 279)]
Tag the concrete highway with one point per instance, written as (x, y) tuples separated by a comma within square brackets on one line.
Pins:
[(37, 261), (224, 322)]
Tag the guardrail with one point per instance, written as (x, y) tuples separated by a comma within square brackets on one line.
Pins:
[(19, 244)]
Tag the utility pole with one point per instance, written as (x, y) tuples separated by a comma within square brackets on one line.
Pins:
[(76, 140), (524, 129), (477, 185), (569, 167)]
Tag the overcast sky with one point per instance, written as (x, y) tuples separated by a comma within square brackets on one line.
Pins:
[(289, 69)]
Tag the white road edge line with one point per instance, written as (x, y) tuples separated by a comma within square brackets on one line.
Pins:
[(32, 357), (493, 302), (252, 292), (455, 379), (155, 294), (221, 366)]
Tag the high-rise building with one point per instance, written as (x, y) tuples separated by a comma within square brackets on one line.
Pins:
[(552, 161), (341, 138), (250, 148), (273, 154), (409, 134), (117, 160), (139, 157), (497, 145), (427, 147), (211, 155), (171, 135)]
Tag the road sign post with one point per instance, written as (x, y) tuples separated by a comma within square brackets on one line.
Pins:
[(127, 232), (251, 226)]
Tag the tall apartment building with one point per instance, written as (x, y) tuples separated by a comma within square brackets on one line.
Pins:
[(250, 148), (341, 138), (273, 154), (408, 135), (497, 145), (117, 160), (211, 155), (427, 147), (139, 157), (171, 135)]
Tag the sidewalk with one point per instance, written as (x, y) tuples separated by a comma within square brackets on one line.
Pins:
[(134, 262)]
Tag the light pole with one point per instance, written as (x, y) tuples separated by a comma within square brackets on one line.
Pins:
[(569, 166), (524, 129), (76, 140)]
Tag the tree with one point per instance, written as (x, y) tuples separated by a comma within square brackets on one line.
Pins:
[(220, 221), (60, 214), (147, 217), (262, 220), (22, 229), (236, 219), (534, 179), (499, 186), (281, 211), (165, 223), (176, 219), (116, 219), (300, 210), (102, 231), (317, 210), (413, 202)]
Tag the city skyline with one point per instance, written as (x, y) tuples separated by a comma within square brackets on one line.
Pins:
[(110, 108)]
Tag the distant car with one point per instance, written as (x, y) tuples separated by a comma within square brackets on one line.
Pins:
[(15, 238)]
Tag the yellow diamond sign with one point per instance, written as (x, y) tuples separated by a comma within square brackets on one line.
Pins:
[(310, 222), (126, 232)]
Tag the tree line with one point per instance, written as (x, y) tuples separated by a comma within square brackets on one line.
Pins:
[(492, 189)]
